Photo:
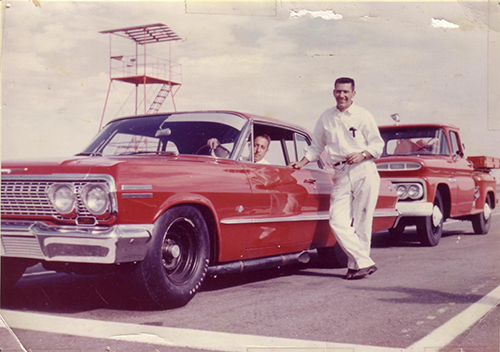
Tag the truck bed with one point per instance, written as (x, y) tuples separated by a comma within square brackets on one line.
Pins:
[(485, 162)]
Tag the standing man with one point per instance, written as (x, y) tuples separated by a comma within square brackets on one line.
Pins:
[(351, 138)]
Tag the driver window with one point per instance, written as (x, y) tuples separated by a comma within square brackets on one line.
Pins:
[(455, 144), (302, 143)]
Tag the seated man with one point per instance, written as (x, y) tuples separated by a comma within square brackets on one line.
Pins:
[(260, 148)]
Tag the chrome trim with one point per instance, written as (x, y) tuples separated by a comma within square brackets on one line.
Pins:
[(396, 181), (386, 213), (412, 209), (137, 195), (406, 166), (78, 244), (136, 187), (48, 209), (320, 216), (304, 217)]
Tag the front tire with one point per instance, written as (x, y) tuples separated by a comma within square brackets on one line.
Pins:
[(481, 222), (430, 228), (177, 261)]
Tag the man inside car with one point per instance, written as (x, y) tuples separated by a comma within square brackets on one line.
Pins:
[(260, 148)]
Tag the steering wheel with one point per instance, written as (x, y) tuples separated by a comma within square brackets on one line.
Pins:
[(219, 152)]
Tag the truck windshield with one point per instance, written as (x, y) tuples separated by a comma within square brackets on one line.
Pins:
[(184, 133), (414, 141)]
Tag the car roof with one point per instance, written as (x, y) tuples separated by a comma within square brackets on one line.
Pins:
[(244, 115), (419, 125)]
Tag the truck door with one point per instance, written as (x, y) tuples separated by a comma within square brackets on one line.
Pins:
[(462, 181)]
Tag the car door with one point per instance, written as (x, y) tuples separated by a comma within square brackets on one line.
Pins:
[(288, 203)]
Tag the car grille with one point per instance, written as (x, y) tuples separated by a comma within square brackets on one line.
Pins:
[(29, 198)]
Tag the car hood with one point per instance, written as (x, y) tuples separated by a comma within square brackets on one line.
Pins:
[(101, 164)]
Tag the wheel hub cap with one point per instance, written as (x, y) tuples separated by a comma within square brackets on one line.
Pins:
[(437, 216), (174, 251), (487, 211)]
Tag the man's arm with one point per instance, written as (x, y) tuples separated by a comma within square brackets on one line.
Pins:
[(299, 164)]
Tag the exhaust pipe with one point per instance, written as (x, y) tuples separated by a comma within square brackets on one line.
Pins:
[(259, 263)]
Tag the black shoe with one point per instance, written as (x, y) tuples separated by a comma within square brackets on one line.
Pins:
[(361, 273), (350, 273)]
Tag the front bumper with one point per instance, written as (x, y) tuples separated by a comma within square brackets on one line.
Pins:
[(75, 244), (414, 209)]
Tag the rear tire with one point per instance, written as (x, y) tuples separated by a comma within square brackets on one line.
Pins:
[(176, 263), (481, 222), (430, 228)]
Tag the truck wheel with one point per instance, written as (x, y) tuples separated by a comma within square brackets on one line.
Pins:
[(481, 222), (12, 270), (430, 228), (333, 257), (177, 261)]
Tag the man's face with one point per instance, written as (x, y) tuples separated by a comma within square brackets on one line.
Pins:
[(260, 148), (344, 94)]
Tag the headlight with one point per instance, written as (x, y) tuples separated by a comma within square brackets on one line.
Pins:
[(96, 198), (402, 191), (62, 197), (411, 190), (415, 191)]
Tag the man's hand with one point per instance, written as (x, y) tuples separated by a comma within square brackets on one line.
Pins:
[(354, 158), (213, 143), (299, 164)]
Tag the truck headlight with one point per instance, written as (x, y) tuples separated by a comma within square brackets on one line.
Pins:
[(415, 191), (62, 196), (402, 191), (95, 197)]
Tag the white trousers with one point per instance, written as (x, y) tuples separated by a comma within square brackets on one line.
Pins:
[(352, 204)]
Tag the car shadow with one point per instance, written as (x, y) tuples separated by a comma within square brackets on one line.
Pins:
[(409, 238), (68, 293), (64, 293)]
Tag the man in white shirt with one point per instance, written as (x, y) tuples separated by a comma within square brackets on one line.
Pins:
[(260, 148), (351, 139)]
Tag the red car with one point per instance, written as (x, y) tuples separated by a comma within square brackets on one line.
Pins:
[(149, 197), (435, 181)]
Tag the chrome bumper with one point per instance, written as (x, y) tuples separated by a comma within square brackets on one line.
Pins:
[(76, 244), (410, 209)]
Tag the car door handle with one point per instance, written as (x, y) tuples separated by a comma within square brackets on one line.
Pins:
[(310, 181)]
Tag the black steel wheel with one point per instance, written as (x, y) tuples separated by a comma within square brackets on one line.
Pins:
[(177, 261), (430, 228), (481, 222)]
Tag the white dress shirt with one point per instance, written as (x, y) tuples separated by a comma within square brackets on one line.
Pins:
[(343, 133)]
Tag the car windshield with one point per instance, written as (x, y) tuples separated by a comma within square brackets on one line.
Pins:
[(185, 133), (414, 141)]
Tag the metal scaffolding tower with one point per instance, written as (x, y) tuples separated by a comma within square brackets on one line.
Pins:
[(143, 69)]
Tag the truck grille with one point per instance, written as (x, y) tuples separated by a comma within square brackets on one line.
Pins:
[(29, 198)]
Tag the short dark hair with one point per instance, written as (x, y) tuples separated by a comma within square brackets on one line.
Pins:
[(266, 137), (345, 80)]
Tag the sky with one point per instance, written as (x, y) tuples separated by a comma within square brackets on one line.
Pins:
[(428, 62)]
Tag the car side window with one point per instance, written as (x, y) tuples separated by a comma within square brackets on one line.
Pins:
[(302, 143), (455, 144)]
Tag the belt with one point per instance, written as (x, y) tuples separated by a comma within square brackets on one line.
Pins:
[(340, 163)]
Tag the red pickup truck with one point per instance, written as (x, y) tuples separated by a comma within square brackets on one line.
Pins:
[(435, 181)]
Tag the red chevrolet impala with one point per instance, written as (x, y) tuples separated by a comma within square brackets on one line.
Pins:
[(149, 197)]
